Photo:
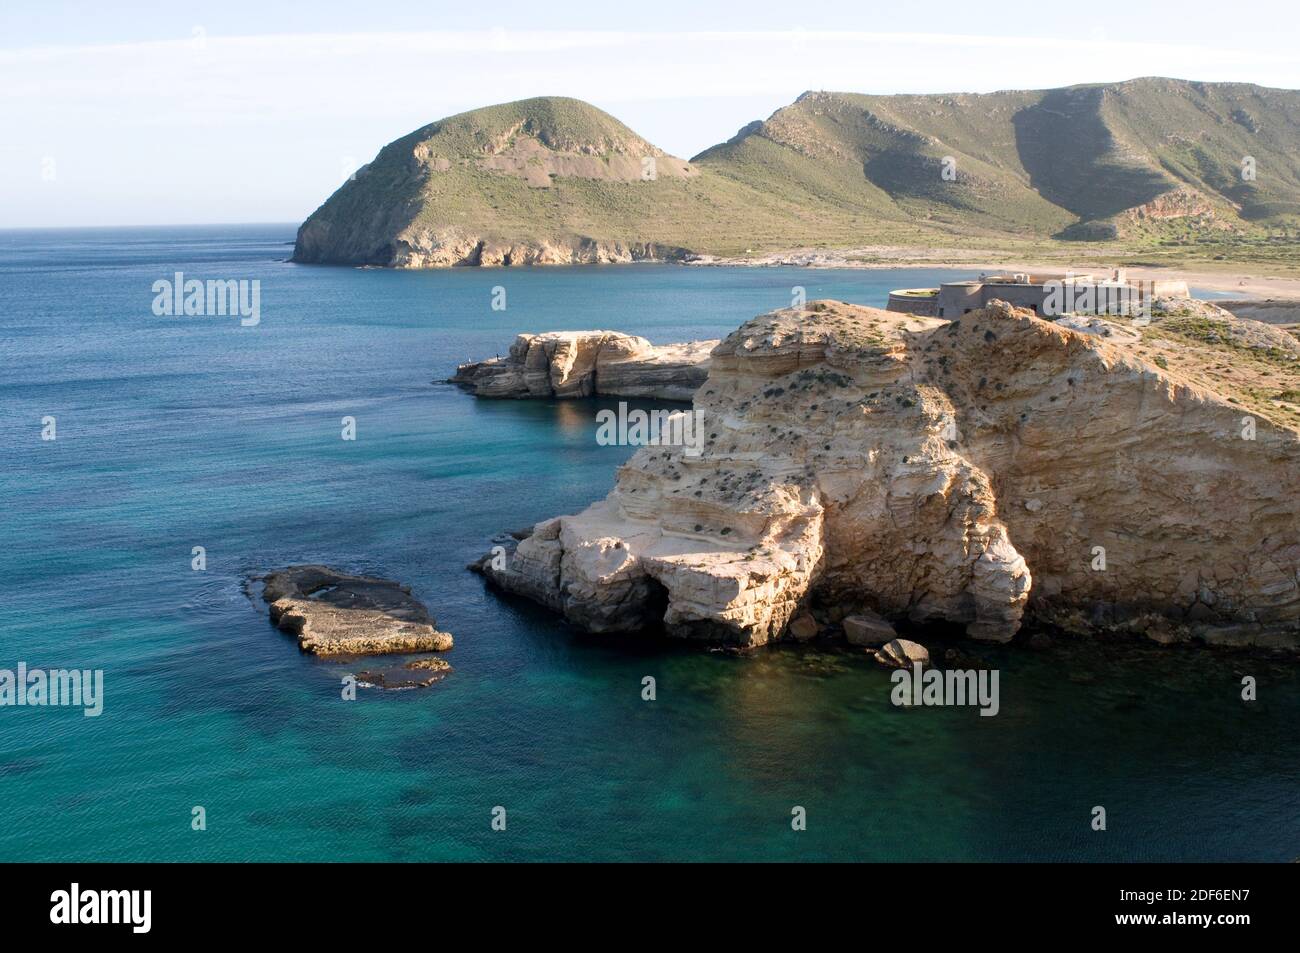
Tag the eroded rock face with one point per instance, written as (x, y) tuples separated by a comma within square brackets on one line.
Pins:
[(970, 471), (334, 613), (588, 363), (423, 247)]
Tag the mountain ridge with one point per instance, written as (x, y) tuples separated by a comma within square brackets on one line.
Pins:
[(557, 180)]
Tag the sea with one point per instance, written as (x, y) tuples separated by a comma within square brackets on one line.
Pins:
[(219, 741)]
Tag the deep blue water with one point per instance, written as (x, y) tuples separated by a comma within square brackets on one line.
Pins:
[(182, 432)]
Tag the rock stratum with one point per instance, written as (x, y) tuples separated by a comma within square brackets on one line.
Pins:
[(979, 472), (552, 180), (589, 363), (334, 613)]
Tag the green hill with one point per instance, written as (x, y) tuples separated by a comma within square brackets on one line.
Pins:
[(553, 180), (1101, 160), (540, 180)]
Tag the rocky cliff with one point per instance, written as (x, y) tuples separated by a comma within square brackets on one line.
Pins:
[(977, 471), (588, 363)]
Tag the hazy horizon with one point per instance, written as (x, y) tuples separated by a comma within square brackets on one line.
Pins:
[(231, 114)]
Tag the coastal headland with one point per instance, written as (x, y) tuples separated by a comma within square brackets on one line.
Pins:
[(982, 472)]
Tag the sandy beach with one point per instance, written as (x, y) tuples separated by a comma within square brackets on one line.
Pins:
[(1247, 282)]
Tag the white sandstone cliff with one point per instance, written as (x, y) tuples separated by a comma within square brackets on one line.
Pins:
[(971, 471)]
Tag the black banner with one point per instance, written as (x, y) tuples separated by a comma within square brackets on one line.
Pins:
[(139, 903)]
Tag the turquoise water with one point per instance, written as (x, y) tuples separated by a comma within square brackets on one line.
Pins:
[(183, 432)]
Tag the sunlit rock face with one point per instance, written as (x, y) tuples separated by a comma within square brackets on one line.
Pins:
[(974, 471), (589, 363)]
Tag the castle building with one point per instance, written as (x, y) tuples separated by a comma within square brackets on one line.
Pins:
[(1047, 295)]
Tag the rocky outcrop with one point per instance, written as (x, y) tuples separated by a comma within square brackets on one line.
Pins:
[(1115, 331), (867, 629), (901, 653), (588, 363), (1270, 310), (1176, 203), (803, 627), (1216, 325), (1181, 203), (971, 471), (525, 156), (334, 613)]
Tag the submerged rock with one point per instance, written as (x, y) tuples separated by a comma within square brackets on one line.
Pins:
[(418, 673), (334, 613), (854, 452), (589, 363)]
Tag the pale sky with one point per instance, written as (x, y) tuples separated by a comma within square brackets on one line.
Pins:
[(233, 111)]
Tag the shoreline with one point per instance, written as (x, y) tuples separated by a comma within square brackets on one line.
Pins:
[(1246, 285)]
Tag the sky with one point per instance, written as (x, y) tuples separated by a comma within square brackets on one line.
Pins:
[(147, 113)]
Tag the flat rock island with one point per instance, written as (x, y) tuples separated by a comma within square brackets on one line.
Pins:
[(333, 613)]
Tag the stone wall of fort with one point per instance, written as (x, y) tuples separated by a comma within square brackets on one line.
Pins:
[(953, 299), (925, 306)]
